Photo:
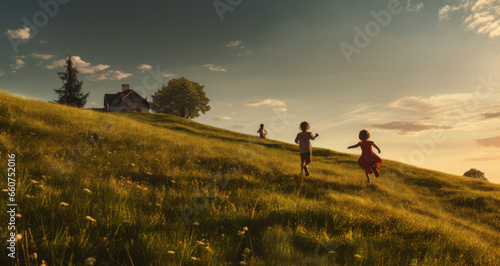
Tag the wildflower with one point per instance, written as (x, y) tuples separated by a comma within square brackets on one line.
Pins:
[(200, 243), (64, 204), (170, 252), (34, 256), (18, 216), (196, 224), (18, 237), (243, 263), (87, 191), (240, 233), (208, 248), (194, 258), (245, 228), (5, 190), (173, 181), (132, 164), (90, 219), (34, 181), (247, 251), (43, 263), (89, 261), (357, 256), (331, 252)]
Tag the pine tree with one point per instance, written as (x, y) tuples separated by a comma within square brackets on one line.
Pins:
[(71, 92)]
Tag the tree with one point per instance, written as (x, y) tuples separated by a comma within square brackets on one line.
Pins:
[(181, 97), (71, 92), (474, 173)]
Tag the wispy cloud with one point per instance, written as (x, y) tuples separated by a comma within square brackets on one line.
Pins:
[(480, 16), (168, 75), (144, 67), (109, 75), (490, 115), (489, 142), (240, 126), (18, 63), (213, 67), (234, 43), (410, 128), (22, 33), (277, 105), (42, 56), (221, 118), (413, 8), (80, 64)]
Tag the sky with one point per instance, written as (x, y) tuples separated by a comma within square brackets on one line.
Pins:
[(423, 77)]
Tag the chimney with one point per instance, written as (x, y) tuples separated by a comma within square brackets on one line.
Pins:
[(125, 87)]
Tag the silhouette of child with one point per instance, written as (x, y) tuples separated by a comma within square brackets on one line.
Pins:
[(368, 160), (262, 132), (303, 139)]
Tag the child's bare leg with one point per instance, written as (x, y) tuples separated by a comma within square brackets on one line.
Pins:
[(367, 177)]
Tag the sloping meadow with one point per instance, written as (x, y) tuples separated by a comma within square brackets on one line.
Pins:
[(153, 189)]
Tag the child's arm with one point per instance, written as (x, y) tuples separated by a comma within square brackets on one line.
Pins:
[(313, 138), (297, 139), (376, 147), (353, 146)]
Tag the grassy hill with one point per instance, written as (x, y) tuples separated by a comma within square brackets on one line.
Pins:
[(141, 189)]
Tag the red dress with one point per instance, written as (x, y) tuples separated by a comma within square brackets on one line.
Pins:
[(368, 157)]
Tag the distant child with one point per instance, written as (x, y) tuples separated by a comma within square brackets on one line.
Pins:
[(368, 160), (303, 139), (262, 132)]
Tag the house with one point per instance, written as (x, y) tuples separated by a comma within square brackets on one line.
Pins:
[(125, 101)]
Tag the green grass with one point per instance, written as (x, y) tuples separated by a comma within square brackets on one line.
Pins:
[(161, 183)]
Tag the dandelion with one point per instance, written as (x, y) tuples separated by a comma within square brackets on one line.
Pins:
[(357, 256), (173, 181), (207, 248), (247, 251), (196, 224), (132, 164), (64, 204), (89, 261), (34, 256), (43, 263), (90, 219), (245, 228), (18, 216), (18, 237), (331, 252), (87, 191), (240, 233), (194, 258), (170, 252)]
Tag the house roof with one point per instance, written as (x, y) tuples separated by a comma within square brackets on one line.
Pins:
[(114, 99)]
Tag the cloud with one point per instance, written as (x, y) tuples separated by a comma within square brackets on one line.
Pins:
[(278, 105), (240, 126), (23, 33), (109, 75), (234, 43), (480, 16), (491, 115), (18, 63), (42, 56), (212, 67), (82, 66), (221, 118), (2, 72), (144, 67), (482, 159), (489, 142), (413, 8), (409, 128), (436, 103), (43, 42), (169, 75)]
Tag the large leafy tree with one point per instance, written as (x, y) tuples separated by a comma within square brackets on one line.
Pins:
[(71, 92), (474, 173), (181, 97)]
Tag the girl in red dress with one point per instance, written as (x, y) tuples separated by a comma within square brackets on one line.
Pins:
[(368, 160)]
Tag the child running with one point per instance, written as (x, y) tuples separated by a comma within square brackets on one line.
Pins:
[(303, 139), (262, 132), (368, 160)]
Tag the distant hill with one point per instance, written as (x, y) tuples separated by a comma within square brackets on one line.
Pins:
[(153, 189)]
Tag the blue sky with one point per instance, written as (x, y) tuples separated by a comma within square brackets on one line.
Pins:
[(425, 81)]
